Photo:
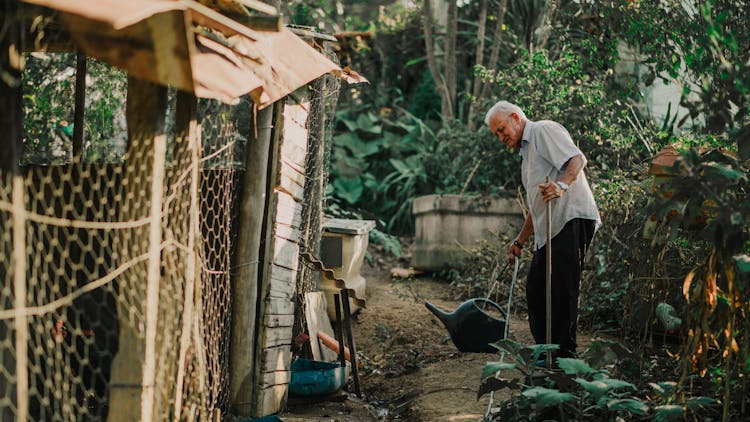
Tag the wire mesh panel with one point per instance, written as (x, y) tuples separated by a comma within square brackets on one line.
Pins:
[(223, 130), (324, 93), (124, 283)]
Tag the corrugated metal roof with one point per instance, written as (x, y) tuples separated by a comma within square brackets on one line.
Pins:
[(194, 48)]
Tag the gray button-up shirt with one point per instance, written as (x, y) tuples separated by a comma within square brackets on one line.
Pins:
[(545, 148)]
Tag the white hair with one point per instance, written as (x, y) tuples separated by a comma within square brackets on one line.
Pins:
[(503, 107)]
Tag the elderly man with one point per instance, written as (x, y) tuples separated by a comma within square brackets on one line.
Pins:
[(547, 150)]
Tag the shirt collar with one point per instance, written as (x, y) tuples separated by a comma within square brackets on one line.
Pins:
[(526, 133)]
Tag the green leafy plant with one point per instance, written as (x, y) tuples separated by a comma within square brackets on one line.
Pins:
[(581, 389)]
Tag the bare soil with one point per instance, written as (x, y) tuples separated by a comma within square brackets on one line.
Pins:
[(412, 371)]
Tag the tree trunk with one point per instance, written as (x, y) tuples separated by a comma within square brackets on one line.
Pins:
[(495, 52), (450, 59), (544, 26), (476, 88), (440, 84)]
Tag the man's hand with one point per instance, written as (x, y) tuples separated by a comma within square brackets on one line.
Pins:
[(550, 191), (514, 252)]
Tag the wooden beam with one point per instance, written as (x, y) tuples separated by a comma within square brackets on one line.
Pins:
[(80, 106), (260, 399), (272, 23), (259, 6), (187, 144), (132, 382), (11, 118), (247, 265), (11, 68)]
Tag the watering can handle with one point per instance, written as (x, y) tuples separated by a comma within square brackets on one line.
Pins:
[(501, 310)]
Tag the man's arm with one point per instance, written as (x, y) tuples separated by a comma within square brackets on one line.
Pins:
[(573, 168)]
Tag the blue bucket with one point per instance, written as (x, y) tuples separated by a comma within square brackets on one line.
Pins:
[(310, 377)]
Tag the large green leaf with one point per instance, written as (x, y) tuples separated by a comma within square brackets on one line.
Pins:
[(538, 349), (369, 123), (359, 148), (574, 366), (348, 189), (665, 388), (723, 171), (400, 166), (595, 388), (668, 413), (615, 384), (743, 262), (630, 405), (491, 367), (695, 403), (350, 124), (546, 397)]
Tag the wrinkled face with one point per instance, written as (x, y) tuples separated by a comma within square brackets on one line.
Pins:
[(508, 128)]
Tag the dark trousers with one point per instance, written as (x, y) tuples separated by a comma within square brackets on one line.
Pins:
[(568, 250)]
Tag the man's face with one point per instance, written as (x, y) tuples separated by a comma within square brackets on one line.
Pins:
[(507, 128)]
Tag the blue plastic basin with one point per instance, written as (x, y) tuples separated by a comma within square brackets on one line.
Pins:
[(310, 377)]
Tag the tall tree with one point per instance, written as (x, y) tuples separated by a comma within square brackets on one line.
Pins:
[(445, 81), (480, 89)]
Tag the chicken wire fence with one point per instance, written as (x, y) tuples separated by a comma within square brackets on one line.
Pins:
[(324, 94), (129, 256)]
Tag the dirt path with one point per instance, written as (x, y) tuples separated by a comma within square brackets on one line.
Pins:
[(412, 371)]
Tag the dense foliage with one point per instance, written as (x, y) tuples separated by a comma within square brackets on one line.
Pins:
[(671, 262), (49, 80)]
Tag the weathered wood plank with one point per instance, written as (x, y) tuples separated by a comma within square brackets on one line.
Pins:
[(276, 306), (285, 253), (288, 210), (316, 314), (278, 336), (278, 320), (280, 294), (294, 145), (292, 181), (276, 378), (279, 358), (260, 405), (283, 284), (282, 273), (270, 399), (294, 150), (286, 232)]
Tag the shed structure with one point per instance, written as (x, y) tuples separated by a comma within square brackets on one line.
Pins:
[(159, 286)]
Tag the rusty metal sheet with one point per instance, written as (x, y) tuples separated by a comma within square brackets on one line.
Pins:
[(286, 63), (117, 13), (170, 42), (157, 49)]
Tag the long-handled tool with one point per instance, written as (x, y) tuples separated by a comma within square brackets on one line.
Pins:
[(507, 328), (548, 290)]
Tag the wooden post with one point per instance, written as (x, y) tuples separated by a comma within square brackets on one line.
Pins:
[(350, 338), (280, 255), (11, 118), (188, 141), (340, 328), (80, 105), (133, 380), (246, 267), (548, 288)]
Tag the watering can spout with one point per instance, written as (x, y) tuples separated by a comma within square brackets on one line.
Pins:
[(442, 315)]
